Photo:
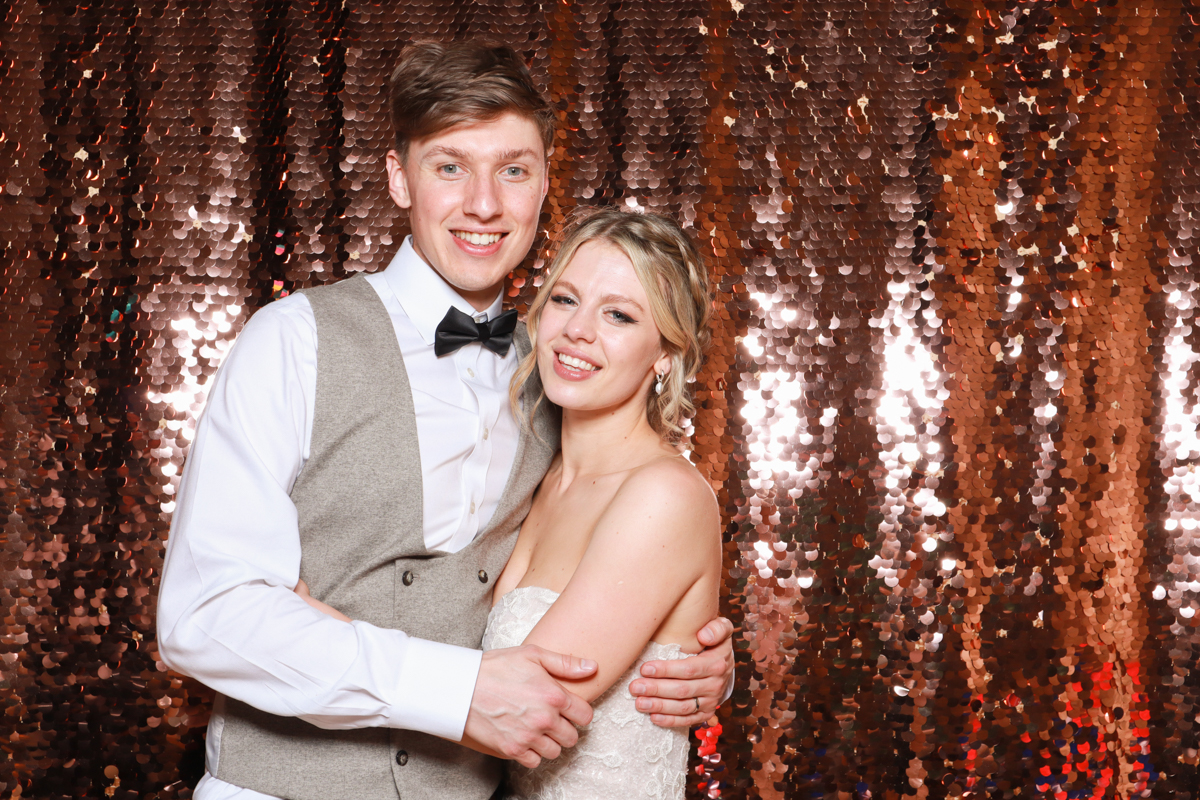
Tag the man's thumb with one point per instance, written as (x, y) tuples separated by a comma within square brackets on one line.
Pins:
[(569, 667), (715, 632)]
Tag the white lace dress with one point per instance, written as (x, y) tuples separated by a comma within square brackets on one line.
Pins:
[(621, 755)]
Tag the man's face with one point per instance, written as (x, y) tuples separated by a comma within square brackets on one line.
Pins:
[(474, 194)]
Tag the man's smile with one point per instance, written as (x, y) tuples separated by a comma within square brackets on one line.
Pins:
[(481, 239)]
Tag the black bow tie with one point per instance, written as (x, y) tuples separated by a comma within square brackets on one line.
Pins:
[(457, 329)]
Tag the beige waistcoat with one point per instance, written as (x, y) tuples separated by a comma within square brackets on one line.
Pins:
[(359, 501)]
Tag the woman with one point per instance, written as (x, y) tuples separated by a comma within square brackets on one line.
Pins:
[(619, 559)]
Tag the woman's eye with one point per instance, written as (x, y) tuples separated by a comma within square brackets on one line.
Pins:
[(562, 299), (622, 317)]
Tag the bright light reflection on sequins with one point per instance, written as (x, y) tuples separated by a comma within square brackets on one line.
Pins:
[(773, 410), (197, 345), (1181, 444), (191, 395), (911, 385)]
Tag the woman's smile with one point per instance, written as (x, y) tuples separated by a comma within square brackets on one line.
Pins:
[(573, 367)]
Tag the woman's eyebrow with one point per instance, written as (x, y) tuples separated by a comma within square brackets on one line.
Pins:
[(620, 298), (612, 297)]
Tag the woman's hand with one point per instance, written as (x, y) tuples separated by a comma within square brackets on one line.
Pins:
[(302, 590), (687, 692)]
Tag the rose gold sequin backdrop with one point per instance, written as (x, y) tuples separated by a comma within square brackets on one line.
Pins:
[(950, 410)]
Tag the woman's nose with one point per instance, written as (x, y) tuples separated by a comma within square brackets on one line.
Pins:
[(581, 326)]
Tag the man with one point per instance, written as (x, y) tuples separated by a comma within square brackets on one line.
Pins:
[(359, 438)]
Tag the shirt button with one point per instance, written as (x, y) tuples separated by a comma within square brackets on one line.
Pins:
[(471, 372), (485, 433), (483, 576), (401, 757), (472, 506), (407, 577)]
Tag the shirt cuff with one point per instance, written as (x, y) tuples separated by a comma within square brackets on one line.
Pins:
[(729, 686), (435, 687)]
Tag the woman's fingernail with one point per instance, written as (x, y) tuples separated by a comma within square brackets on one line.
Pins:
[(637, 688), (649, 671), (588, 664)]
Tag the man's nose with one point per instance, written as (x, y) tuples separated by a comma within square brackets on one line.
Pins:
[(483, 198)]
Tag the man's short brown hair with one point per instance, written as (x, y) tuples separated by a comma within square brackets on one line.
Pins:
[(437, 86)]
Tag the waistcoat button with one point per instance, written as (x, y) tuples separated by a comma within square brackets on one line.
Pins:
[(407, 577), (483, 576), (401, 757)]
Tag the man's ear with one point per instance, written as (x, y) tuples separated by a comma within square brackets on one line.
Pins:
[(546, 176), (398, 180)]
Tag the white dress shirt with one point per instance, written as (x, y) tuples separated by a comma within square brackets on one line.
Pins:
[(227, 614)]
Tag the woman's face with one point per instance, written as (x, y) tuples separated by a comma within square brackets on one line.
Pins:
[(597, 345)]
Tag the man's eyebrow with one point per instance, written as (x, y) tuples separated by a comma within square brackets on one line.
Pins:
[(515, 155), (443, 150), (462, 155)]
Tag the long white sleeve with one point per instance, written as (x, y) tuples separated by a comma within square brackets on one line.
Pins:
[(227, 614)]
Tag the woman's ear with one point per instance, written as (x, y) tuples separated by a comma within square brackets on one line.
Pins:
[(664, 365)]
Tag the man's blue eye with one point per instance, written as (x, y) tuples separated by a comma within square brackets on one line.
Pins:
[(450, 169)]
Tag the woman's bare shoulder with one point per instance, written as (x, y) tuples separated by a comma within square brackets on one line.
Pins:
[(673, 472), (669, 487)]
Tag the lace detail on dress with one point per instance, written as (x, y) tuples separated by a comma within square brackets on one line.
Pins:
[(622, 755)]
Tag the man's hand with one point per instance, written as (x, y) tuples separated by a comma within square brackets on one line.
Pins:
[(519, 711), (687, 692)]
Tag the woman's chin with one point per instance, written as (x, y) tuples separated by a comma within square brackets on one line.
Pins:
[(588, 404), (571, 396), (568, 401)]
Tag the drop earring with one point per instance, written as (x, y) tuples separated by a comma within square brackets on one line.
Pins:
[(658, 384)]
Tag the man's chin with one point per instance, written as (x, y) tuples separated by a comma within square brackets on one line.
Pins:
[(476, 290)]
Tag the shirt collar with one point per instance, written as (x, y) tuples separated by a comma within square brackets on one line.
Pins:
[(424, 295)]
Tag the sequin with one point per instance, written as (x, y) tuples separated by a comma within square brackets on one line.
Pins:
[(949, 410)]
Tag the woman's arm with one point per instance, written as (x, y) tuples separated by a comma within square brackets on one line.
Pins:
[(656, 546), (302, 590)]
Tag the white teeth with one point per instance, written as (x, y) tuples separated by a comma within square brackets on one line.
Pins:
[(577, 363), (478, 238)]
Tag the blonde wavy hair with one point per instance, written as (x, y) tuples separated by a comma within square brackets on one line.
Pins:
[(671, 270)]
